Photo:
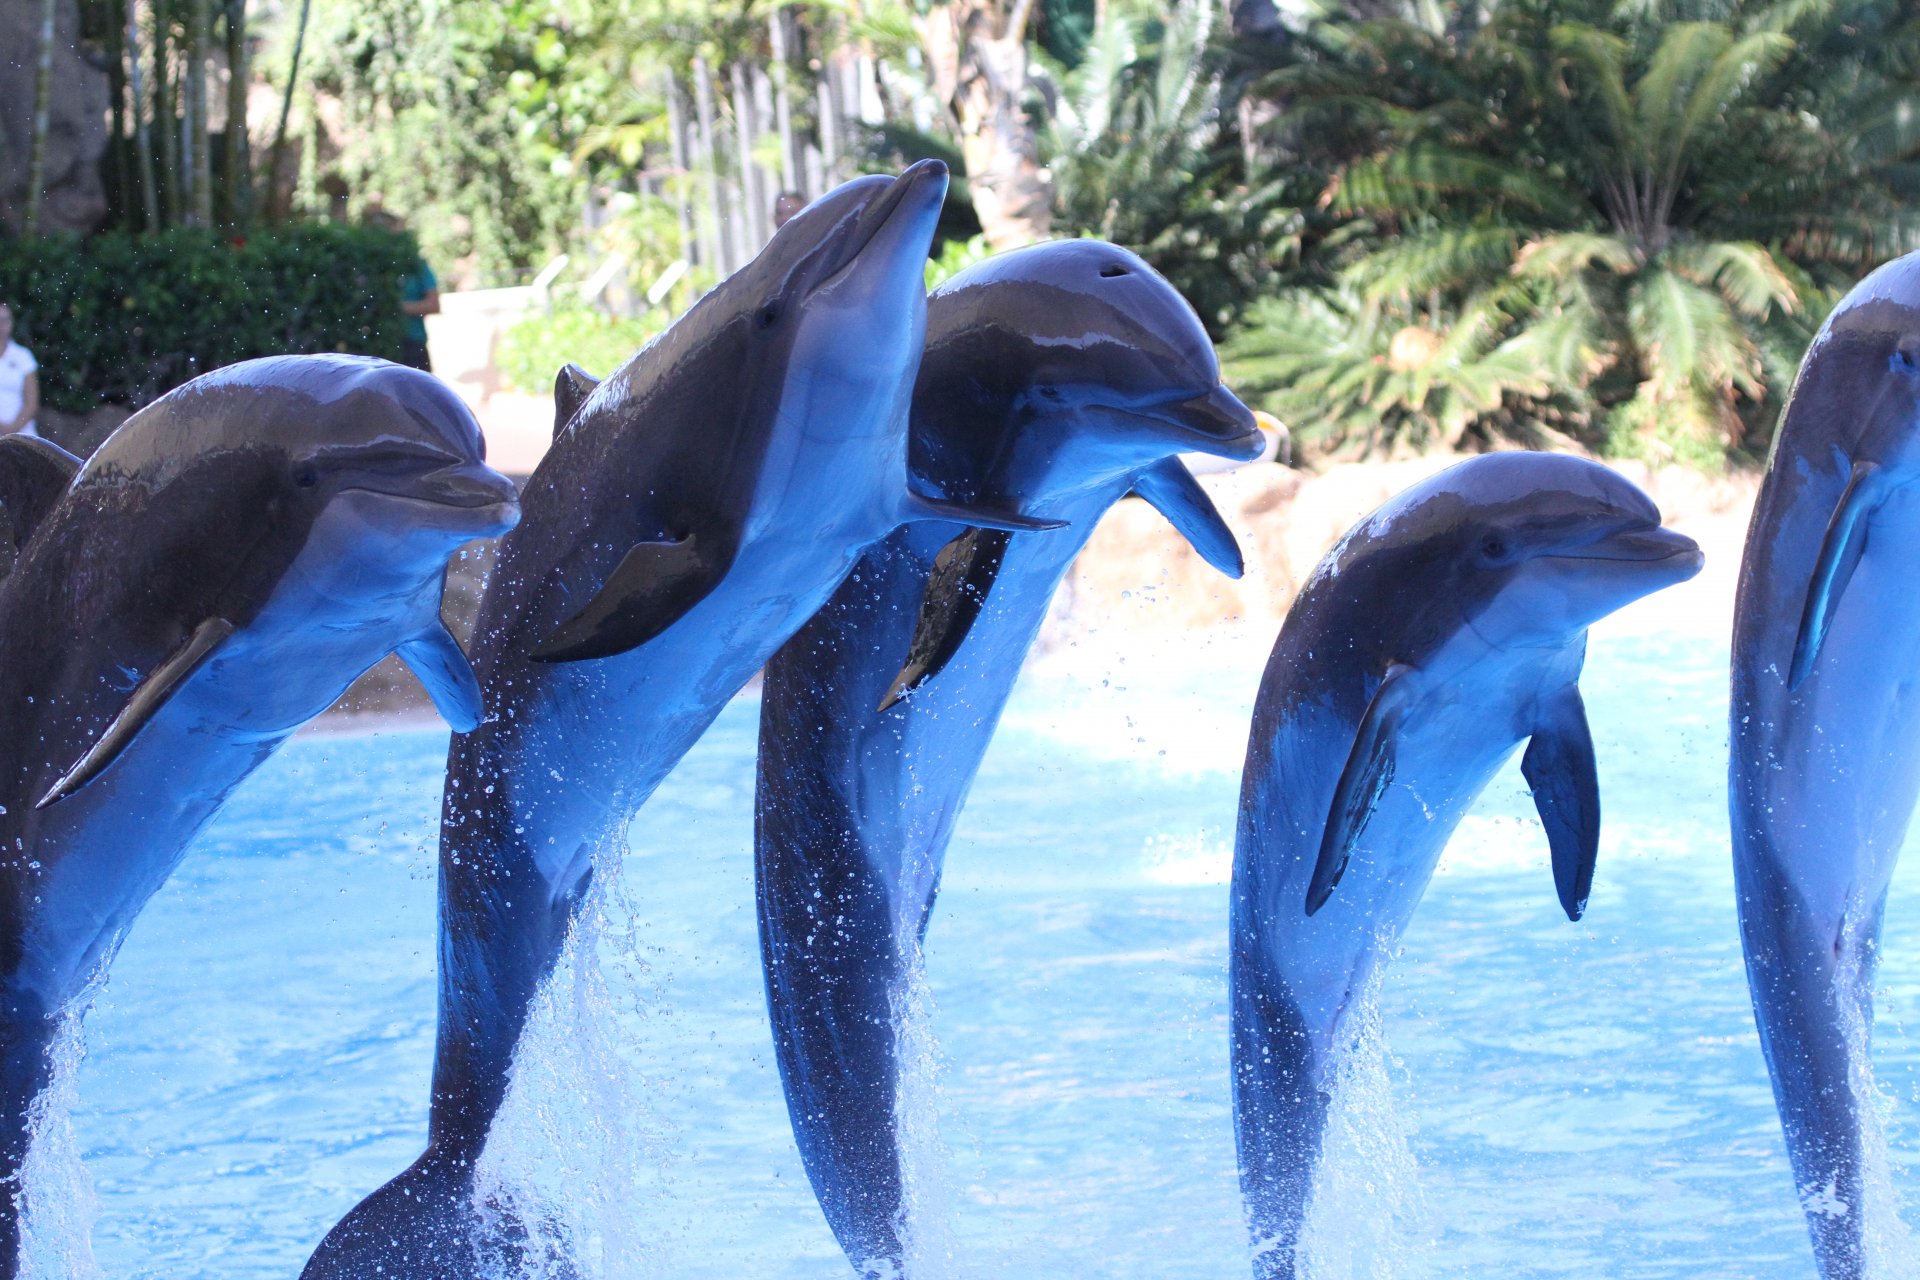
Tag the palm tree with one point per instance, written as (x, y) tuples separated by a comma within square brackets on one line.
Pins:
[(1655, 212)]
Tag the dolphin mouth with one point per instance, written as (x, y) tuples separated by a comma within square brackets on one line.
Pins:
[(465, 486), (1216, 423), (1645, 546)]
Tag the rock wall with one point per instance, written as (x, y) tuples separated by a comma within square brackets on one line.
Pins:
[(75, 200)]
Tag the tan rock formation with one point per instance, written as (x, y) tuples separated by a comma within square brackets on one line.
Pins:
[(75, 200)]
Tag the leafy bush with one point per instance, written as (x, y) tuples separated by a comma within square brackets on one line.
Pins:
[(124, 319), (534, 349)]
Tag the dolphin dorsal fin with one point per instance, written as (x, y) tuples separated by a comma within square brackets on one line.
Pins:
[(34, 473), (957, 590), (1175, 494), (147, 698), (1560, 769), (652, 587), (440, 664), (571, 387), (1840, 549), (1365, 779)]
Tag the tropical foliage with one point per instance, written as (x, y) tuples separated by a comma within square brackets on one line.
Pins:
[(1577, 218)]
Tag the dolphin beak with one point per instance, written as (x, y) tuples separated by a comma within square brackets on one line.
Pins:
[(1647, 546), (467, 487), (1215, 423), (902, 219)]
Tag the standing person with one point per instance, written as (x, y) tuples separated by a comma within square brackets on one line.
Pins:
[(19, 380), (785, 205), (419, 298)]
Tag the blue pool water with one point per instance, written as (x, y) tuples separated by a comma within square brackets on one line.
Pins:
[(1557, 1100)]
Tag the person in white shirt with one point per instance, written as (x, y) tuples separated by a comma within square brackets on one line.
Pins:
[(19, 380)]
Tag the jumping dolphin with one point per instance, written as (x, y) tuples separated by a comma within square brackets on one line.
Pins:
[(225, 565), (1060, 377), (695, 509), (1444, 630), (1825, 764)]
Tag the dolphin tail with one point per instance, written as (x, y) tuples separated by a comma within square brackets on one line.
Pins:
[(1175, 494), (1813, 1004), (1840, 549), (1279, 1111), (826, 872)]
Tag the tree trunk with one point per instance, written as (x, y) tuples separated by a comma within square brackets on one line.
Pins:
[(239, 185), (977, 53), (199, 36), (166, 113), (115, 40), (276, 208), (142, 136), (703, 109), (42, 116)]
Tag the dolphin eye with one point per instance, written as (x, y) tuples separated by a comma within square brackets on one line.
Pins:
[(1050, 392), (1494, 547), (766, 317), (306, 475), (1111, 270), (1903, 361)]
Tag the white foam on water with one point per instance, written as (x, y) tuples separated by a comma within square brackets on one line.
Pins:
[(1367, 1216), (926, 1234), (571, 1173), (1188, 861), (56, 1193)]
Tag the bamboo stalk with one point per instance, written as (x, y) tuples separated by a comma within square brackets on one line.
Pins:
[(115, 41), (166, 110), (750, 193), (703, 107), (42, 119), (790, 163), (239, 152), (199, 37), (690, 248), (275, 206), (142, 136)]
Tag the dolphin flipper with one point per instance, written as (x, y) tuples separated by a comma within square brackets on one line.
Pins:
[(956, 592), (919, 508), (1365, 779), (571, 387), (1840, 552), (151, 694), (1559, 767), (33, 475), (652, 587), (1175, 494), (440, 664)]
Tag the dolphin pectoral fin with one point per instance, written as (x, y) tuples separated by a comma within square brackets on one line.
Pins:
[(1365, 779), (919, 508), (440, 664), (1175, 494), (651, 588), (34, 473), (963, 574), (571, 387), (1559, 768), (147, 699), (1840, 550)]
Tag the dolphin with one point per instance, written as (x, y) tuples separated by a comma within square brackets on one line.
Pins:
[(1441, 632), (1825, 762), (696, 507), (213, 577), (1060, 376)]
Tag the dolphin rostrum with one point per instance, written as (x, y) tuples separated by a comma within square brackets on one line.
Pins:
[(225, 565), (1441, 632), (696, 507), (1825, 763)]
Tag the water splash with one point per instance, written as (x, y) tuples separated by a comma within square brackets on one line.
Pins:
[(569, 1178), (926, 1165), (1887, 1241), (1367, 1213), (56, 1192)]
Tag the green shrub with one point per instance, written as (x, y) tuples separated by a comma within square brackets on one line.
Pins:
[(123, 319), (533, 350)]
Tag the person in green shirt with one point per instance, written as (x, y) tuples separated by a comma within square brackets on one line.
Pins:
[(419, 298)]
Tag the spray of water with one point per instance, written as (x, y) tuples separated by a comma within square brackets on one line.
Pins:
[(56, 1194), (1889, 1244), (1367, 1213), (925, 1163), (571, 1162)]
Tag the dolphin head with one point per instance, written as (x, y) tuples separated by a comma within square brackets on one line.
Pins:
[(1068, 364), (1530, 549), (840, 294), (1860, 378)]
